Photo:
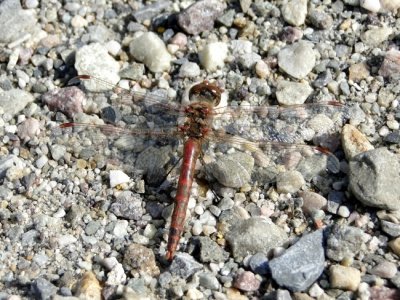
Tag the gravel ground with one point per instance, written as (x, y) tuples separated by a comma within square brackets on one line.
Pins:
[(80, 219)]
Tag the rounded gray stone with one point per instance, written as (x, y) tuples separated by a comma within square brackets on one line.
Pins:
[(254, 235), (374, 178)]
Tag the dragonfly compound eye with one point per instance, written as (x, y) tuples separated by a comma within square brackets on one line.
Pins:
[(205, 91)]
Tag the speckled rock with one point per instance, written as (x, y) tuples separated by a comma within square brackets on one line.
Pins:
[(391, 64), (374, 178), (94, 60), (358, 72), (300, 265), (29, 129), (382, 292), (246, 281), (15, 21), (312, 202), (200, 16), (254, 235), (345, 242), (89, 287), (67, 100), (138, 259), (354, 142), (233, 170), (183, 265), (128, 206), (209, 251), (292, 93), (289, 182), (14, 100), (376, 36), (385, 269)]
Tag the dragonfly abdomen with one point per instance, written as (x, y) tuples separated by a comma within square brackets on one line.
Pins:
[(191, 153)]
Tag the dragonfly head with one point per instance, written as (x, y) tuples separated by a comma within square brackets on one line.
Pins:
[(206, 91)]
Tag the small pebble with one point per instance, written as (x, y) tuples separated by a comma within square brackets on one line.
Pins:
[(343, 211), (395, 246), (213, 56), (118, 177), (189, 70), (289, 182), (346, 278), (297, 60), (246, 281), (294, 12), (200, 16), (384, 269), (371, 5), (89, 287)]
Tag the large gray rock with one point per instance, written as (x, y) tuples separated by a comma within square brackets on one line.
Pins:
[(302, 264), (15, 100), (375, 178), (15, 21)]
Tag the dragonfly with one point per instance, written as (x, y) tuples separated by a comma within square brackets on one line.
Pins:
[(269, 133)]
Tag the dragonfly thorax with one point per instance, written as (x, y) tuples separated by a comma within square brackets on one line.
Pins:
[(197, 121)]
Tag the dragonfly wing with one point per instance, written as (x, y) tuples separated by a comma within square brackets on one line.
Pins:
[(276, 138), (295, 124), (141, 150)]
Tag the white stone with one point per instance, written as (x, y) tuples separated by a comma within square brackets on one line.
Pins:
[(315, 291), (113, 47), (391, 5), (150, 231), (197, 228), (78, 21), (120, 229), (344, 211), (371, 5), (109, 263), (94, 60), (213, 56), (189, 69), (116, 276), (294, 12), (65, 240), (13, 59), (292, 93), (118, 177), (151, 50), (41, 161), (194, 294)]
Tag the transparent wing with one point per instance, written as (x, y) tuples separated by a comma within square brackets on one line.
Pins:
[(294, 124), (277, 139), (136, 97)]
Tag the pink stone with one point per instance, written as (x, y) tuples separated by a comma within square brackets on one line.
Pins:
[(179, 39), (28, 129), (391, 64), (247, 281), (66, 100)]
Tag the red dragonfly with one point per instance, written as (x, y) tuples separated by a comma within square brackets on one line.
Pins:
[(261, 130)]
